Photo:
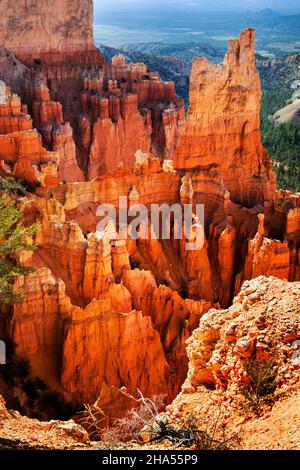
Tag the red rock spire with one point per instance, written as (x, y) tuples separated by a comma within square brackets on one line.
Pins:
[(223, 127)]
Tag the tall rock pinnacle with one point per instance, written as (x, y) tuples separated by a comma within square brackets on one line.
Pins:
[(222, 134), (31, 26)]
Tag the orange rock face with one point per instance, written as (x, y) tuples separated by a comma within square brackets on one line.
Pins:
[(37, 331), (57, 135), (70, 28), (96, 266), (173, 317), (126, 131), (114, 111), (81, 350), (94, 114), (105, 347), (12, 116), (267, 257), (134, 109), (262, 325), (102, 311)]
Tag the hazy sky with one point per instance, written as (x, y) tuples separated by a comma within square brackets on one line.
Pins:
[(204, 4)]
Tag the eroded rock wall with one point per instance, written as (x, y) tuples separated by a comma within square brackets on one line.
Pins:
[(31, 27)]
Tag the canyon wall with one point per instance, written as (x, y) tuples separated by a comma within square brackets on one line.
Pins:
[(221, 143), (96, 115), (22, 153), (32, 27), (79, 350)]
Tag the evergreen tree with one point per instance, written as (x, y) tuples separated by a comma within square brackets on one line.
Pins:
[(13, 238)]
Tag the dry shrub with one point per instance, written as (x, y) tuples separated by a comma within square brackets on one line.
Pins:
[(129, 427)]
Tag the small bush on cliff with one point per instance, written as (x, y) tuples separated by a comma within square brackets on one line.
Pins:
[(262, 383), (13, 186), (15, 372), (147, 424), (13, 238)]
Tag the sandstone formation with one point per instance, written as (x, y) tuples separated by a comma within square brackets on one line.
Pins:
[(79, 350), (264, 318), (118, 349), (262, 325), (96, 266), (274, 251), (30, 27), (21, 433), (173, 317), (221, 142), (57, 135), (103, 312), (113, 111), (134, 109), (267, 257)]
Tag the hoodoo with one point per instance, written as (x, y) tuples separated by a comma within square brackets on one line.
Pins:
[(104, 313), (113, 109)]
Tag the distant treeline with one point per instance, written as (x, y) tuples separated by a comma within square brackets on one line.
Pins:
[(281, 141)]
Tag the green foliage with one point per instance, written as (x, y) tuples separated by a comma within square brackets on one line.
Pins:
[(282, 141), (13, 238)]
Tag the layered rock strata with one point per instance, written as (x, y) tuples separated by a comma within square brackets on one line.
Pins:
[(21, 149), (102, 311), (29, 28)]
